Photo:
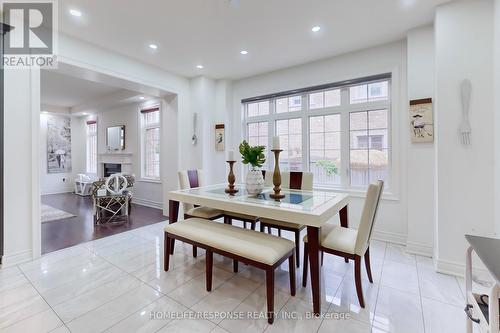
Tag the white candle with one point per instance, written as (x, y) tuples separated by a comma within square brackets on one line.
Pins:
[(276, 143), (230, 155)]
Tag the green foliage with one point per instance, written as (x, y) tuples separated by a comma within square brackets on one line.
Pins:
[(328, 166), (252, 155)]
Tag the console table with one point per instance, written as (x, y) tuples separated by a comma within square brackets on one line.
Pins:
[(485, 316)]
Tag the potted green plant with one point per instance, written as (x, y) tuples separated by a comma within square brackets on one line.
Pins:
[(253, 155), (328, 166)]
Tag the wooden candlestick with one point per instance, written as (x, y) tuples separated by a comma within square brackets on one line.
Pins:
[(231, 179), (277, 195)]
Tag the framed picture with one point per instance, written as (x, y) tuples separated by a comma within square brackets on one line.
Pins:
[(58, 144), (219, 137), (421, 121)]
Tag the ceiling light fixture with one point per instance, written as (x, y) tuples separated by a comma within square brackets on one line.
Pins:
[(142, 97), (84, 113), (75, 12), (44, 112), (244, 52), (199, 66), (315, 28), (153, 46)]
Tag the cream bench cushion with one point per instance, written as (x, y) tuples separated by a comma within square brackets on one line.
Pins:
[(204, 212), (338, 238), (254, 245)]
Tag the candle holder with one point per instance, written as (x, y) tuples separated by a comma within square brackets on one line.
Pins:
[(277, 195), (231, 179)]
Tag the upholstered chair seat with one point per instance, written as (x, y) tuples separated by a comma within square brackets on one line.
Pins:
[(204, 212), (337, 238), (282, 224)]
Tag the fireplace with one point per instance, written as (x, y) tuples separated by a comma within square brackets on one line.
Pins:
[(111, 168)]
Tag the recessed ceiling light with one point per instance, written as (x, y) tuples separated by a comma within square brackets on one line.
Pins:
[(315, 28), (142, 97), (199, 66), (84, 113), (244, 52), (153, 46), (45, 112), (75, 12)]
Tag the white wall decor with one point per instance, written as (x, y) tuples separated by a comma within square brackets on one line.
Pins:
[(421, 121), (58, 144)]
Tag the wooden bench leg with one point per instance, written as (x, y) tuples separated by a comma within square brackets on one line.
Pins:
[(306, 264), (357, 278), (261, 227), (235, 266), (166, 252), (209, 260), (279, 232), (195, 251), (228, 220), (270, 294), (297, 247), (245, 224), (253, 224), (291, 268)]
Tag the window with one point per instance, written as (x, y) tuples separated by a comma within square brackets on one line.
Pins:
[(151, 143), (324, 148), (92, 146), (258, 135), (290, 133), (339, 132)]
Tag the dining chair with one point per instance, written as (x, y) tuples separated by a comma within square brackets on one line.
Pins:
[(351, 243), (192, 179), (292, 180)]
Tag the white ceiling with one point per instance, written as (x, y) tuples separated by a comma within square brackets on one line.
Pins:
[(67, 91), (276, 33)]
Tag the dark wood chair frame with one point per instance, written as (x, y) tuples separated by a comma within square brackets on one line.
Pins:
[(357, 267), (228, 219), (209, 250)]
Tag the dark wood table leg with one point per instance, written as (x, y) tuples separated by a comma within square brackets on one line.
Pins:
[(344, 220), (344, 217), (313, 250), (173, 215)]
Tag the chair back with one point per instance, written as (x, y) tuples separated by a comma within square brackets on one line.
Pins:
[(189, 179), (368, 217), (291, 180)]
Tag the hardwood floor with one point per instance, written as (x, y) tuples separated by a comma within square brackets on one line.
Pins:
[(63, 233)]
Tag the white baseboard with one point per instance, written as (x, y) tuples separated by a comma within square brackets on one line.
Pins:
[(16, 258), (458, 269), (419, 249), (147, 203), (59, 191), (390, 237)]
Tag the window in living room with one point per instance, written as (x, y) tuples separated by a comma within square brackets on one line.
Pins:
[(150, 120), (92, 147), (339, 131)]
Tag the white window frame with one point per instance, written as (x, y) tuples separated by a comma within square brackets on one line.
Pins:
[(143, 128), (344, 109), (91, 135)]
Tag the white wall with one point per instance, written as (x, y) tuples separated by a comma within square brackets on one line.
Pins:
[(421, 159), (392, 222), (145, 191), (497, 113), (465, 187), (62, 182)]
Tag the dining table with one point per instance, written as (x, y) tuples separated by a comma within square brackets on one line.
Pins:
[(310, 208)]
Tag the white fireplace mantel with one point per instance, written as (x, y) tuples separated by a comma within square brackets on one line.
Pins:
[(122, 158)]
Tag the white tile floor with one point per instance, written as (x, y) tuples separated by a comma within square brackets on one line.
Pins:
[(115, 284)]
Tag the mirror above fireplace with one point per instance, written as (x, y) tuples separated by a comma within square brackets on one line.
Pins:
[(115, 138)]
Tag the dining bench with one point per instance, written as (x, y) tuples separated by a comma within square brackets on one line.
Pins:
[(254, 248)]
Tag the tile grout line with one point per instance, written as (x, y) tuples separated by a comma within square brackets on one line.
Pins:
[(372, 320), (420, 294)]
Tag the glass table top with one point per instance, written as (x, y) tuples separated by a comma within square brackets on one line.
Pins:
[(294, 199)]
